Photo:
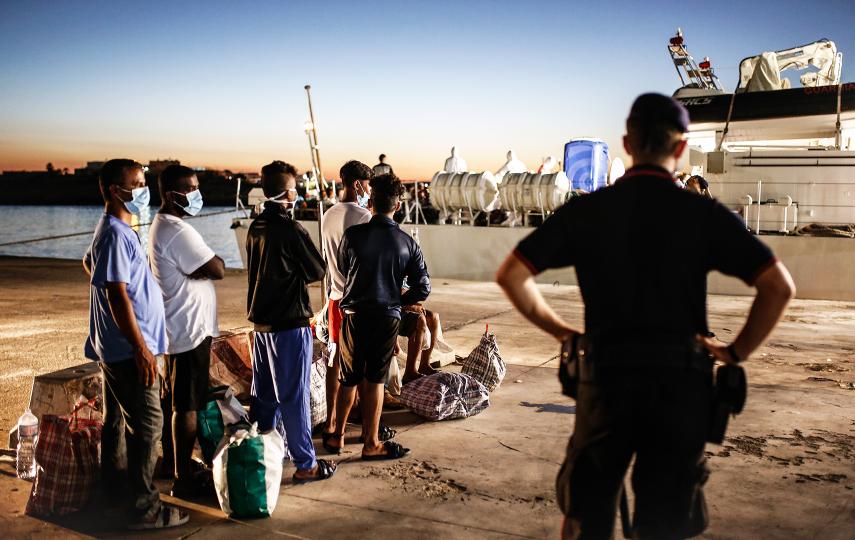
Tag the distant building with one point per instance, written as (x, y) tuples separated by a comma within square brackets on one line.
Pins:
[(251, 178), (156, 166), (91, 168)]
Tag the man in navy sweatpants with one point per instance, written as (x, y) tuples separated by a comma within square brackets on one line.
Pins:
[(282, 261)]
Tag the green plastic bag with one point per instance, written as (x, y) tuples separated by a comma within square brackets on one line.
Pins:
[(222, 409), (248, 471)]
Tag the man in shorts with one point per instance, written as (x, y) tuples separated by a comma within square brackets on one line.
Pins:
[(375, 257), (351, 210), (184, 267)]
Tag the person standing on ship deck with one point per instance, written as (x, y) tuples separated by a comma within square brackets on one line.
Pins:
[(645, 380), (382, 167)]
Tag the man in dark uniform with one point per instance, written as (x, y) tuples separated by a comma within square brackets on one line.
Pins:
[(645, 381)]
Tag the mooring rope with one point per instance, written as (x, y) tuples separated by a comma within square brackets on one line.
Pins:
[(71, 235)]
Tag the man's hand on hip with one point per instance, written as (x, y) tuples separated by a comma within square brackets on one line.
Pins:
[(717, 348)]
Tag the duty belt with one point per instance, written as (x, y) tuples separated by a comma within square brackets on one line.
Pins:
[(672, 353)]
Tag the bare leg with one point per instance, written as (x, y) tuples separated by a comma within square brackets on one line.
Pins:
[(332, 392), (433, 325), (346, 397), (183, 440), (414, 347), (371, 395)]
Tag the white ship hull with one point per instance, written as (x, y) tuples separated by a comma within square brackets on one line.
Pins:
[(823, 268)]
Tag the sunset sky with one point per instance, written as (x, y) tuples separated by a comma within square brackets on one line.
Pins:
[(221, 84)]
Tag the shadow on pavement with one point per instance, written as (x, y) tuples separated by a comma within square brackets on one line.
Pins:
[(550, 407)]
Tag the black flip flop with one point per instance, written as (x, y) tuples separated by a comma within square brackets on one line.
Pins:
[(393, 451), (325, 441), (325, 470), (384, 433)]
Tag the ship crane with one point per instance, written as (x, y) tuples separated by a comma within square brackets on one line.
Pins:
[(763, 71)]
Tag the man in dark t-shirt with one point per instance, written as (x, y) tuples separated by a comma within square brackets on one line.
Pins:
[(646, 382)]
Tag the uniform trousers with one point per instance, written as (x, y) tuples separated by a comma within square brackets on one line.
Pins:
[(659, 416)]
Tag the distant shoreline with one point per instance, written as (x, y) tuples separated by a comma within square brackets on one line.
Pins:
[(44, 188)]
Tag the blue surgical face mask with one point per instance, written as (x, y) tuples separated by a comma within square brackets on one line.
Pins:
[(139, 199), (194, 202)]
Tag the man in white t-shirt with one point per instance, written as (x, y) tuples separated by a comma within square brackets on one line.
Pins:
[(184, 265), (351, 210)]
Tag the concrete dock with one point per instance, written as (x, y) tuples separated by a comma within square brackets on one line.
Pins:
[(786, 470)]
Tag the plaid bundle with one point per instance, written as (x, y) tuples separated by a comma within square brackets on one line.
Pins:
[(318, 390), (445, 396), (485, 363), (68, 462)]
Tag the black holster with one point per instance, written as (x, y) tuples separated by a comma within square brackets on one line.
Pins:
[(572, 350), (731, 389)]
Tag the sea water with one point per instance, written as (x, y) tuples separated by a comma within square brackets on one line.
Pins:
[(34, 222)]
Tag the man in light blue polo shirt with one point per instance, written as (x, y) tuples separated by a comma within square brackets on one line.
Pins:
[(127, 330)]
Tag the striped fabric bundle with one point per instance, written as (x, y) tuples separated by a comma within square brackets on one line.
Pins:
[(445, 396), (485, 364), (67, 455), (318, 390)]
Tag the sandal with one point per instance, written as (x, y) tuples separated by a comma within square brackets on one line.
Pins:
[(325, 441), (393, 451), (164, 518), (384, 433), (325, 470)]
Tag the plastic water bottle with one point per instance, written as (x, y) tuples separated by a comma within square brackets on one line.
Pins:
[(415, 234), (28, 433)]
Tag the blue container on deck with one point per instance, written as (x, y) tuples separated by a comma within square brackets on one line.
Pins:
[(586, 163)]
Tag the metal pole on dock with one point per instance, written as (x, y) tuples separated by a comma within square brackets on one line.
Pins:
[(312, 133)]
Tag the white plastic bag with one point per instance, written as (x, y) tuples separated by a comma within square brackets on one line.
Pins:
[(248, 471), (393, 377)]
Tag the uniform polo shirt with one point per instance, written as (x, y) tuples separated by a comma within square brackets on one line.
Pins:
[(642, 250)]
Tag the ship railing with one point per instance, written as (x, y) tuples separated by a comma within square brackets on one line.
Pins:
[(754, 196)]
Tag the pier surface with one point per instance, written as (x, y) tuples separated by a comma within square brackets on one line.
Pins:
[(786, 470)]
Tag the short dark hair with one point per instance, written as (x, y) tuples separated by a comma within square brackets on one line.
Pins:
[(651, 142), (113, 173), (274, 176), (355, 170), (382, 157), (702, 182), (171, 177), (386, 189)]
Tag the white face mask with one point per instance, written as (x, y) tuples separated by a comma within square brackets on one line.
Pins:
[(362, 198), (284, 202)]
